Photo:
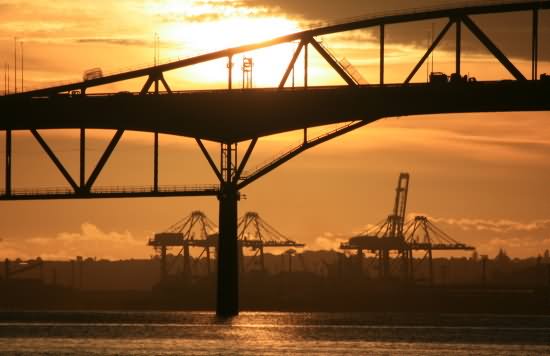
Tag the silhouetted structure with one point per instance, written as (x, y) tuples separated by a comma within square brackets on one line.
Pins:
[(512, 286), (256, 234), (387, 236), (422, 235), (217, 116), (13, 268), (196, 230), (248, 70), (393, 235)]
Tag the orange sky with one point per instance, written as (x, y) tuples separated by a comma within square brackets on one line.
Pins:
[(483, 178)]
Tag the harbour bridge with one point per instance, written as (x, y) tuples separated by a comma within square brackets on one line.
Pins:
[(220, 115)]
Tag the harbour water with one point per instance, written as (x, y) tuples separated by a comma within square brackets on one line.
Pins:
[(251, 333)]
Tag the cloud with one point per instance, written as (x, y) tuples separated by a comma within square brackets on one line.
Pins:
[(496, 226), (201, 17), (116, 41), (47, 20), (518, 238), (90, 241), (208, 11), (327, 241), (207, 17), (511, 30)]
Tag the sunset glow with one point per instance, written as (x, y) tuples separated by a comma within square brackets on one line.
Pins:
[(274, 177)]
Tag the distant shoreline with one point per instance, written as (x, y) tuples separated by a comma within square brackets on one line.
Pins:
[(290, 298)]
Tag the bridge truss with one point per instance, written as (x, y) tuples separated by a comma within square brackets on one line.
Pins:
[(208, 114)]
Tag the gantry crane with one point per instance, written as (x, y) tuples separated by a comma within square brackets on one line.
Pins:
[(423, 235), (257, 234), (393, 234), (386, 236), (196, 230)]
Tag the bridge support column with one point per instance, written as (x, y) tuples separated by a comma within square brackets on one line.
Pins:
[(228, 264)]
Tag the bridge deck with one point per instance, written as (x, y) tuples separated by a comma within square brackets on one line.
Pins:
[(237, 115)]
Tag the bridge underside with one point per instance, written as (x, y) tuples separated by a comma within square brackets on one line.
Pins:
[(238, 115)]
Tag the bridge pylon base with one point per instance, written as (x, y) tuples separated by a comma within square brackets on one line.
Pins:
[(227, 304)]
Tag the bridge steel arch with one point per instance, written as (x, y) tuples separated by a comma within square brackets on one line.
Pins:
[(217, 115)]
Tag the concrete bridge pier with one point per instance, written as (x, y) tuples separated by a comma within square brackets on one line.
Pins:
[(227, 251), (228, 266)]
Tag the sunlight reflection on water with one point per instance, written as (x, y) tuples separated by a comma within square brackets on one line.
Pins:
[(148, 333)]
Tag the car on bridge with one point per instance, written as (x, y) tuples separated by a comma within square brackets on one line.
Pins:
[(93, 73)]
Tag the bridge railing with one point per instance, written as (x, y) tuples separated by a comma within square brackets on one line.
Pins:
[(160, 189), (345, 65), (64, 191)]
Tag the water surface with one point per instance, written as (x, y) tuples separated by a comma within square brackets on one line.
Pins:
[(198, 333)]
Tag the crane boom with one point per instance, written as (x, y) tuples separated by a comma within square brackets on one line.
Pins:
[(398, 218)]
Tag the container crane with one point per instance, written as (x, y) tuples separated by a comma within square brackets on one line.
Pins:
[(195, 230), (386, 236), (423, 235), (393, 234), (257, 234)]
